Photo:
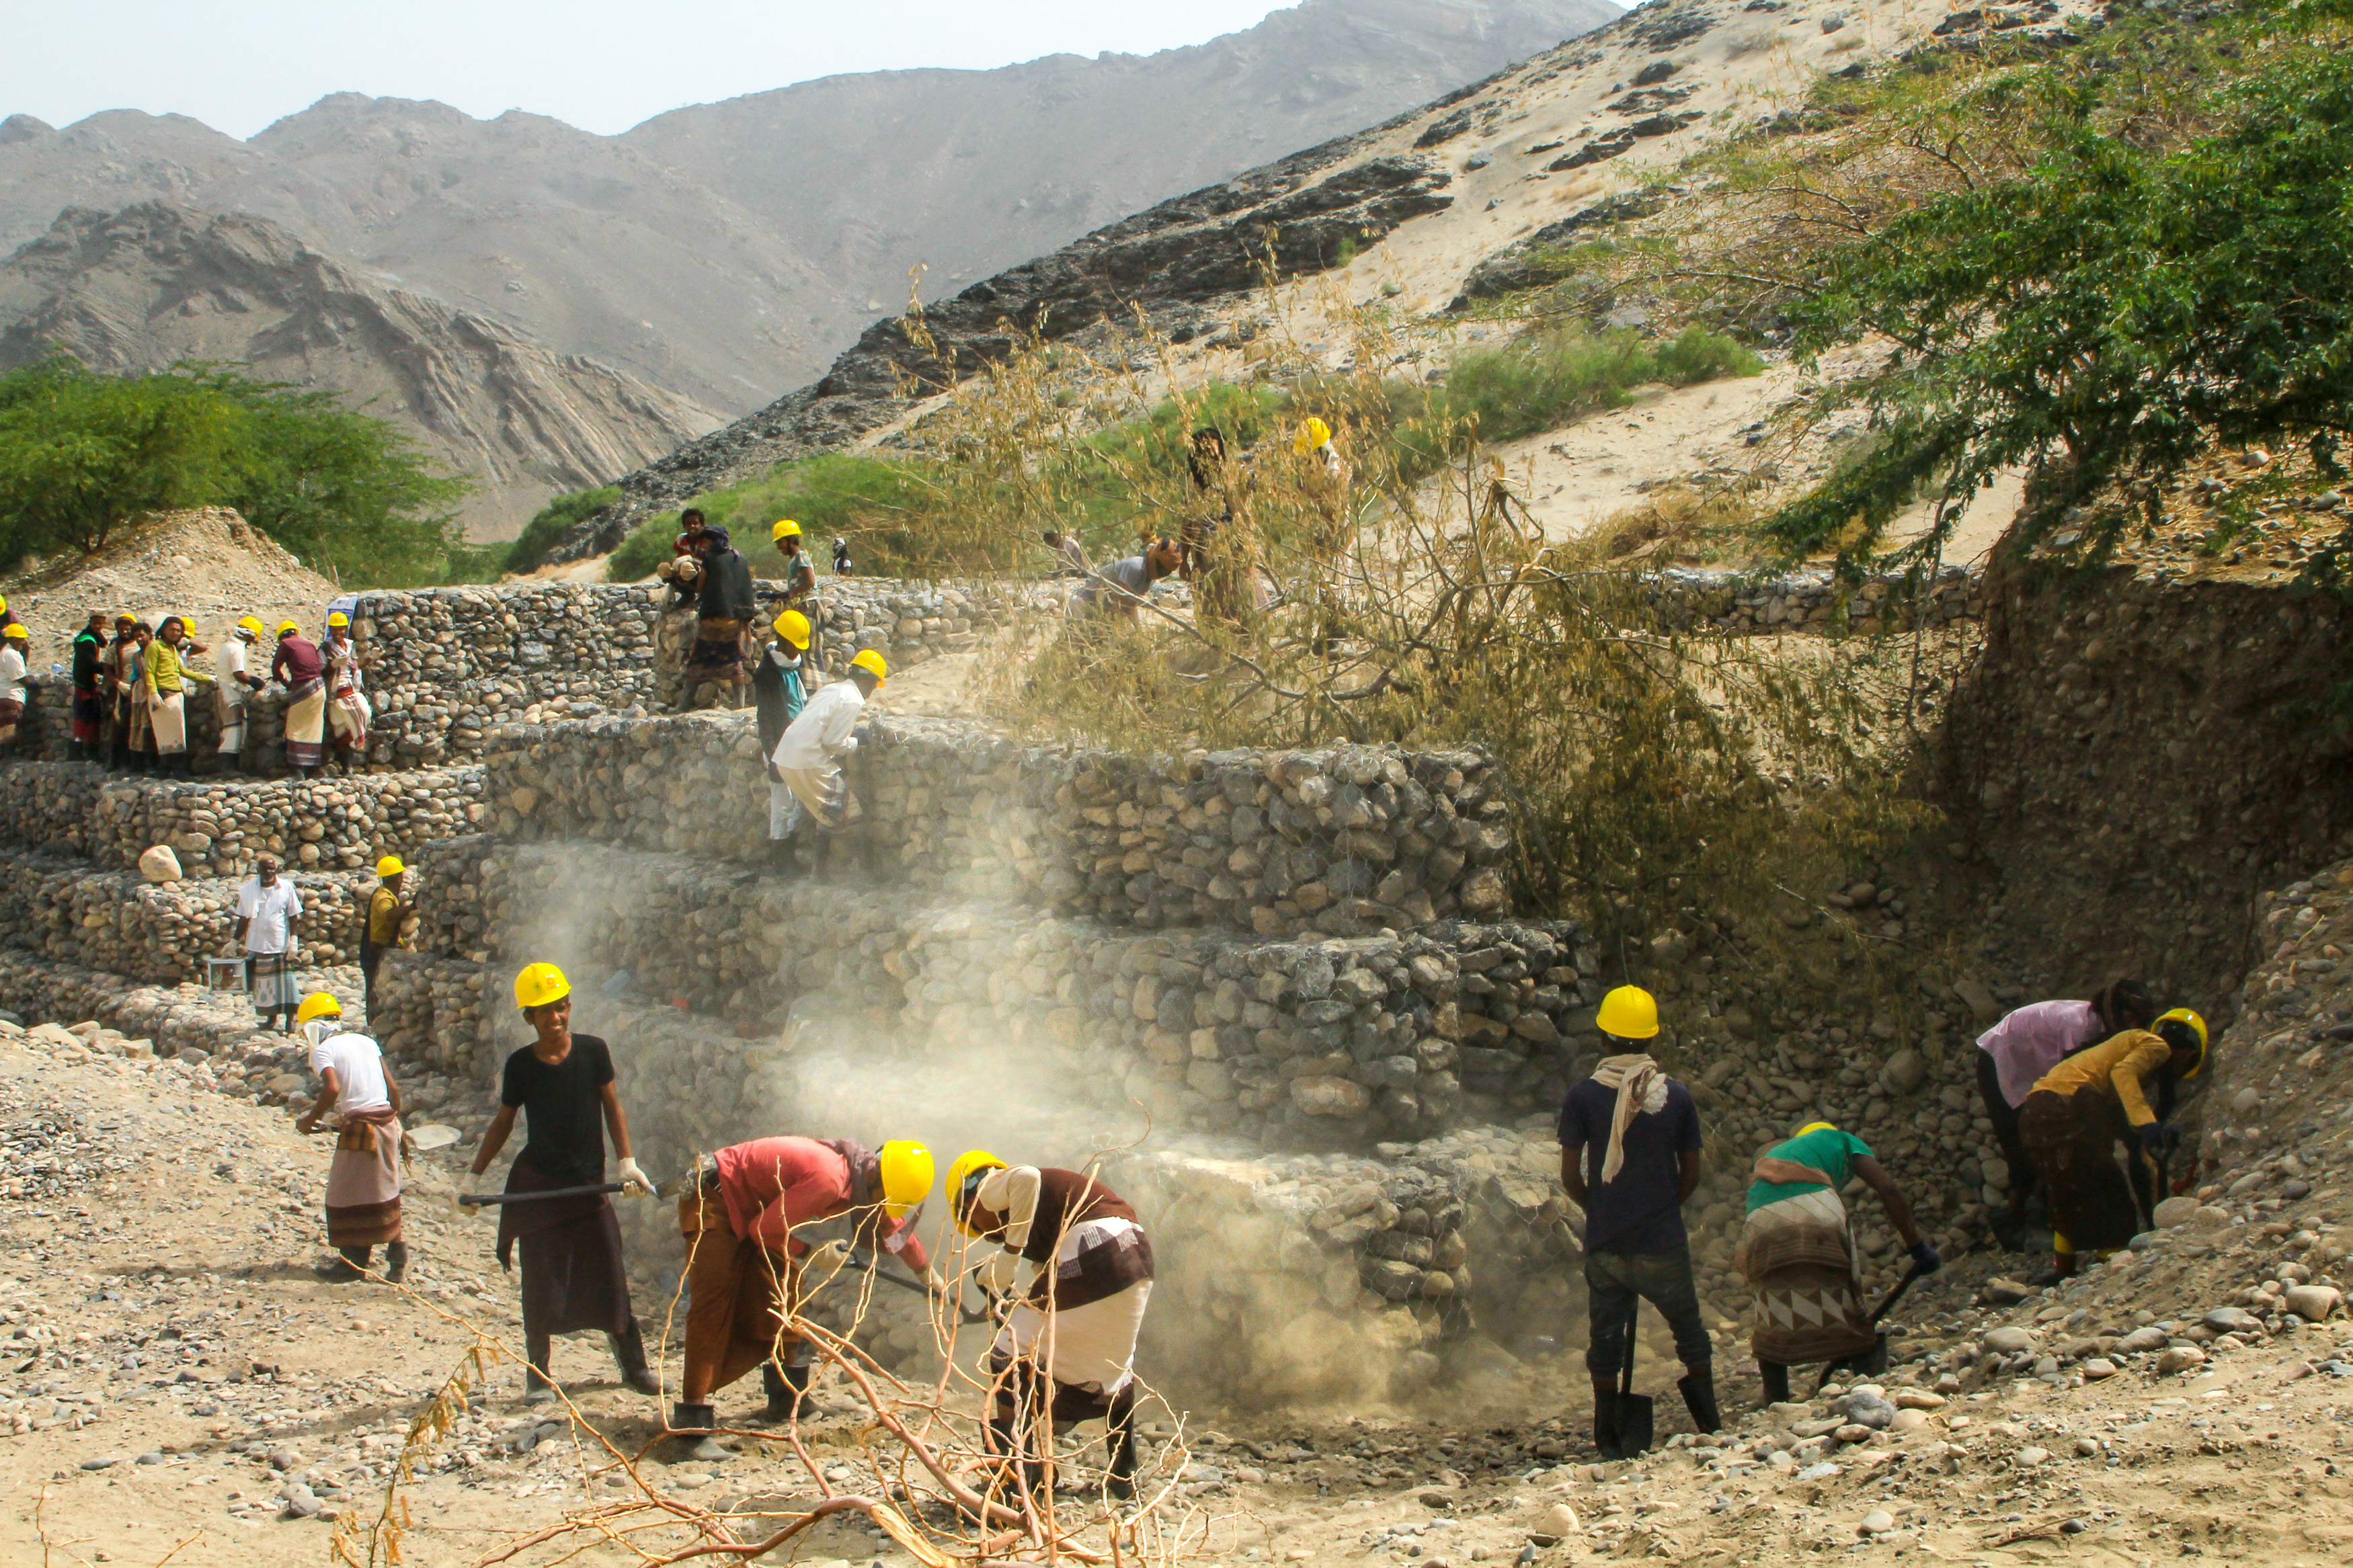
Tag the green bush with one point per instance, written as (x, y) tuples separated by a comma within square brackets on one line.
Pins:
[(1547, 381), (82, 452), (550, 524), (646, 547)]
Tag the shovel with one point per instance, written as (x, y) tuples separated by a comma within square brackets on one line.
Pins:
[(1635, 1422), (472, 1200)]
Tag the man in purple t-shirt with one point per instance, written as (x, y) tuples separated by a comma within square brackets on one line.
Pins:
[(1630, 1141)]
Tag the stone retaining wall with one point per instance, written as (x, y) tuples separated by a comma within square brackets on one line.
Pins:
[(1337, 1041), (446, 666), (217, 827), (1340, 840), (1739, 601), (121, 923)]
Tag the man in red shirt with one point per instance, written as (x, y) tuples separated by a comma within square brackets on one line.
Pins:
[(745, 1259)]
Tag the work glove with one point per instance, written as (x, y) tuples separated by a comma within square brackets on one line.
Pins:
[(1926, 1256), (634, 1183), (828, 1258), (1000, 1274), (2160, 1139)]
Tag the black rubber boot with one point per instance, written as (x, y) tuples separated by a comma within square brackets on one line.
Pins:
[(1776, 1378), (538, 1388), (630, 1355), (1605, 1425), (396, 1262), (1699, 1398), (784, 1387), (690, 1426)]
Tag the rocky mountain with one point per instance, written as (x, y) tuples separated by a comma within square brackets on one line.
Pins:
[(1446, 203), (728, 251), (157, 283)]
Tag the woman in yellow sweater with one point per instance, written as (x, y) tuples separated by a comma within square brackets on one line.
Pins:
[(2082, 1109)]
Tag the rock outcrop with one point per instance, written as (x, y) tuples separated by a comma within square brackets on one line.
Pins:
[(1289, 218), (156, 283)]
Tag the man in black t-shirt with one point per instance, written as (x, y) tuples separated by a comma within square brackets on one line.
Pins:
[(1630, 1142), (573, 1277)]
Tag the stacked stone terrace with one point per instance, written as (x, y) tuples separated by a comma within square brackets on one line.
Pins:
[(1283, 992)]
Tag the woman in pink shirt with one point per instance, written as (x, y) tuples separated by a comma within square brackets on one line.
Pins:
[(744, 1255), (2015, 1053)]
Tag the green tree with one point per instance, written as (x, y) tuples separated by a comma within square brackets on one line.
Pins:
[(2108, 315), (82, 452)]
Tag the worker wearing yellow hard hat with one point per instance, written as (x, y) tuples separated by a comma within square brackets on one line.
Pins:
[(387, 913), (364, 1175), (1630, 1141), (750, 1220), (15, 679), (801, 584), (1313, 435), (233, 695), (2121, 1089), (807, 761), (1074, 1257), (301, 666), (1797, 1218), (564, 1087), (780, 690)]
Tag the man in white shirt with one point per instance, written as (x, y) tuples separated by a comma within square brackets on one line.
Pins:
[(235, 689), (807, 761), (363, 1180), (267, 909)]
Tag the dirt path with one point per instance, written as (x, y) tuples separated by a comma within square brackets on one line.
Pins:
[(176, 1377)]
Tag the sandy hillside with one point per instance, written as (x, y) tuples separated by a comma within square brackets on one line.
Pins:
[(208, 563)]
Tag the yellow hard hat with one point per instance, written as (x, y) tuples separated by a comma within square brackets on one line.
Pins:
[(17, 629), (872, 659), (1312, 435), (337, 618), (794, 628), (250, 624), (1629, 1013), (2184, 1015), (969, 1164), (318, 1004), (787, 529), (389, 865), (906, 1175), (539, 984), (1813, 1127), (286, 628)]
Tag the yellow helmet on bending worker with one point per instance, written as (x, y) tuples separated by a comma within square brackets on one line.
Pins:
[(907, 1171), (970, 1163), (871, 661), (794, 628)]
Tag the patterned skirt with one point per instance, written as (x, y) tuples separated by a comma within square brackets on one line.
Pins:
[(1798, 1255)]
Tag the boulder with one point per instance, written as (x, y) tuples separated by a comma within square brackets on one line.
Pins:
[(2314, 1303), (158, 864), (2176, 1212), (1330, 1096), (2007, 1340)]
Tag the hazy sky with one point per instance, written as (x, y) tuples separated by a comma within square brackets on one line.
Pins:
[(602, 65)]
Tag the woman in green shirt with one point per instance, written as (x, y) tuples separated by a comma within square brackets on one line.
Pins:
[(1798, 1252)]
